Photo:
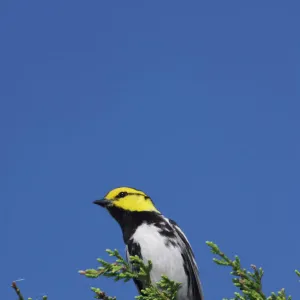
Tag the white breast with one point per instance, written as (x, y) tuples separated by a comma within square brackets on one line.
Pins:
[(166, 260)]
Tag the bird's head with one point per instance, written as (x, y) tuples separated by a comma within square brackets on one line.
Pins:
[(128, 199)]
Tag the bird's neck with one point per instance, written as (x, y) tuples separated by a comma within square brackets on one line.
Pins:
[(130, 220)]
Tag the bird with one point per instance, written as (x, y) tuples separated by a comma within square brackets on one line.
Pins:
[(151, 236)]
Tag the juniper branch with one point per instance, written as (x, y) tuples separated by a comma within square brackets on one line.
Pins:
[(18, 292), (248, 282), (165, 289)]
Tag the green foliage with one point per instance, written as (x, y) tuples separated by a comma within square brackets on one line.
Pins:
[(101, 295), (249, 283), (165, 289), (120, 269)]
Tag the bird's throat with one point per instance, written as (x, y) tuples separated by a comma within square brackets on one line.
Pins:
[(130, 220)]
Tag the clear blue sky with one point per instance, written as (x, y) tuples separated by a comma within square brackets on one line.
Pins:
[(195, 103)]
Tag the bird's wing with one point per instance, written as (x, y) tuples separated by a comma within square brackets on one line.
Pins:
[(190, 264), (133, 248)]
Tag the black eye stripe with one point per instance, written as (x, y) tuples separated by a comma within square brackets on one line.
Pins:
[(124, 194), (121, 195)]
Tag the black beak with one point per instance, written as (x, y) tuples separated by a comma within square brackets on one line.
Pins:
[(102, 202)]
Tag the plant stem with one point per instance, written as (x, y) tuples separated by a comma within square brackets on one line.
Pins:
[(17, 290)]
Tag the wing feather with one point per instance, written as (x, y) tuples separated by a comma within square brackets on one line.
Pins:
[(190, 264)]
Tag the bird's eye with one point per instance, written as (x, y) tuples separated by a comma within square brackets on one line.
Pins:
[(122, 194)]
